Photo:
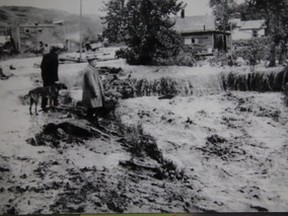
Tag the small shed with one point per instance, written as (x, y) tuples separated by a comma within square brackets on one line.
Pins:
[(200, 33)]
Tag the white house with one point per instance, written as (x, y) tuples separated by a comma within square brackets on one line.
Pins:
[(200, 32), (245, 30)]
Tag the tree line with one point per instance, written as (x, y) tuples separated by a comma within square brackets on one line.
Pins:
[(275, 14), (146, 26)]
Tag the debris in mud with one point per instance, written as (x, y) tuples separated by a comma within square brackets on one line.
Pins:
[(11, 67), (229, 122), (144, 114), (12, 211), (165, 170), (110, 70), (219, 146), (140, 144), (3, 169), (215, 139), (67, 132), (133, 165), (4, 76), (114, 207), (248, 105), (259, 208), (268, 112), (18, 189), (189, 121), (168, 96)]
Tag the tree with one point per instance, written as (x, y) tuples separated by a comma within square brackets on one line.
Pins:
[(275, 13), (114, 20), (244, 12), (223, 10), (146, 27)]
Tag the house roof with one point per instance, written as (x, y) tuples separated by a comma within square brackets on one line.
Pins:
[(201, 32), (194, 23), (252, 24)]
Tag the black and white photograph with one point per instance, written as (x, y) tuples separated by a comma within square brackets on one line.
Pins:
[(143, 106)]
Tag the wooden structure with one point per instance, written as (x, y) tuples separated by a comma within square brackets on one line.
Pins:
[(200, 33)]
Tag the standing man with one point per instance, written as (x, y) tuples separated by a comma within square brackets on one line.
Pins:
[(93, 91), (49, 72)]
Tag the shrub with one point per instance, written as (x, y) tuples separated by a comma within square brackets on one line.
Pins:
[(141, 144), (253, 50), (186, 57), (255, 81), (222, 59), (164, 86)]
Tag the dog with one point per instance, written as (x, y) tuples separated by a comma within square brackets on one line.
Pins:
[(50, 92)]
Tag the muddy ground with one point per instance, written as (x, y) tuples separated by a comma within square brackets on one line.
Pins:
[(228, 152)]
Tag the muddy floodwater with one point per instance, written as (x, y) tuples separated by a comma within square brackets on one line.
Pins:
[(209, 150)]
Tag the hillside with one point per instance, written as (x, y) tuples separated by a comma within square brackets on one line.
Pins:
[(21, 15)]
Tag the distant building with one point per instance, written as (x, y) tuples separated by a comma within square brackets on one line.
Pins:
[(31, 34), (200, 32), (244, 30), (28, 36)]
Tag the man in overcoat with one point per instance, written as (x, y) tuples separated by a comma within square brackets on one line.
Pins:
[(93, 91), (49, 72)]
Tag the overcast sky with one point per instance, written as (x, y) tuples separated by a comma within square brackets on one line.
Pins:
[(194, 7)]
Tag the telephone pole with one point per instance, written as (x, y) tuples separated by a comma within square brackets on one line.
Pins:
[(80, 25)]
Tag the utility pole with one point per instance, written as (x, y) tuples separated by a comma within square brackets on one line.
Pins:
[(80, 25), (18, 36)]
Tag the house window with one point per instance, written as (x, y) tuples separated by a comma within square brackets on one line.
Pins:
[(194, 41), (254, 33)]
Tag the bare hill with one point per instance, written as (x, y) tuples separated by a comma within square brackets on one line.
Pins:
[(20, 15)]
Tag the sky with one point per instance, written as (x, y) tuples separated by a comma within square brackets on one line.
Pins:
[(194, 7)]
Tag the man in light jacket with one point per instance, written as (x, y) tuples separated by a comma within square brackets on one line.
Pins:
[(93, 91)]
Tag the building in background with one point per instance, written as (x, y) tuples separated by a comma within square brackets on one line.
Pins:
[(245, 30), (200, 32), (31, 34)]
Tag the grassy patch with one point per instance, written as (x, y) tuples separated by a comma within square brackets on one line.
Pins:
[(261, 82), (141, 145), (160, 87)]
